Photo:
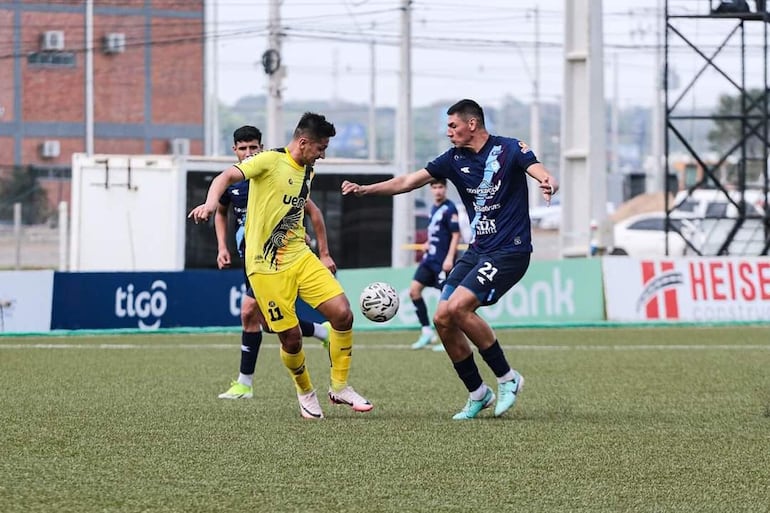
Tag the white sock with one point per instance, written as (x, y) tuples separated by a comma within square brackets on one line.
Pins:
[(427, 330), (246, 379), (508, 376), (479, 393), (320, 332)]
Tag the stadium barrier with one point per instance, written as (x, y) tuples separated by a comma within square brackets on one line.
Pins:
[(552, 293)]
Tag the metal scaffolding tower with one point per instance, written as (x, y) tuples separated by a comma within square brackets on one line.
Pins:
[(721, 206)]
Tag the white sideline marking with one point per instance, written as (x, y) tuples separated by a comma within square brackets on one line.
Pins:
[(398, 347)]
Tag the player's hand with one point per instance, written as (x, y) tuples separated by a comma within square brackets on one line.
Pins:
[(329, 263), (201, 213), (352, 187), (223, 258), (549, 186)]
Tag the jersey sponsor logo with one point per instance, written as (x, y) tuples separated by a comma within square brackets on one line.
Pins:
[(465, 169), (294, 201), (486, 226), (144, 305)]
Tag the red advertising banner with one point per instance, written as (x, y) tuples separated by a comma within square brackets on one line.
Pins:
[(687, 289)]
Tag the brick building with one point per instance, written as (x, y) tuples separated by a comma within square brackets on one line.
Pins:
[(148, 82)]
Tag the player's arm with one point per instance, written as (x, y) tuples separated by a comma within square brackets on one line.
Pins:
[(449, 261), (220, 228), (396, 185), (319, 227), (548, 184), (218, 186)]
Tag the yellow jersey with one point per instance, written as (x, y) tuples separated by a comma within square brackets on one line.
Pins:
[(274, 228)]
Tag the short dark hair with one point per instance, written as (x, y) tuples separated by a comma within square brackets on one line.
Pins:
[(247, 133), (467, 109), (314, 126), (441, 180)]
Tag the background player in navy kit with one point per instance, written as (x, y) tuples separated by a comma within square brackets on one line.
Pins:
[(247, 140), (490, 174), (439, 256)]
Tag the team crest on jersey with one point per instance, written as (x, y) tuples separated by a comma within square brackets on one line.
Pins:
[(524, 147)]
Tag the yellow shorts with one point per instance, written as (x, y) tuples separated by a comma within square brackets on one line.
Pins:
[(277, 293)]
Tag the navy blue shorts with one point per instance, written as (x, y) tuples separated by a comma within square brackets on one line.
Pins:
[(249, 290), (429, 276), (489, 275)]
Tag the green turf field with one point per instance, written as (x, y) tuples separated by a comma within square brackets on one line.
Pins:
[(611, 420)]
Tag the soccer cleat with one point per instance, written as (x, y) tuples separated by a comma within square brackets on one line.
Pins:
[(309, 407), (238, 391), (351, 398), (424, 341), (507, 392), (472, 408), (325, 341)]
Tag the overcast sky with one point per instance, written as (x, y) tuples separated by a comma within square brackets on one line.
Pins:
[(485, 52)]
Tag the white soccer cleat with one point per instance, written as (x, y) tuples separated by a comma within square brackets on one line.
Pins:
[(309, 407), (350, 397)]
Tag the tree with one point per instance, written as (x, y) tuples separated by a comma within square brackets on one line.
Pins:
[(728, 133), (22, 186)]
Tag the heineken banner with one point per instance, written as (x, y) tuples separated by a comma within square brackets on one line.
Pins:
[(552, 292)]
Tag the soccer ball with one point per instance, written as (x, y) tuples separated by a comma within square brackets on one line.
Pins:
[(379, 302)]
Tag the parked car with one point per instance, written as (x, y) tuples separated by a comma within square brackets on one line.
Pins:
[(644, 235), (714, 204)]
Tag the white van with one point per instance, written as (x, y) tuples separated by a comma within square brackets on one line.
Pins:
[(714, 204)]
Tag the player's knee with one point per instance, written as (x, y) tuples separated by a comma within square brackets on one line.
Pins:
[(442, 317), (415, 294), (343, 321)]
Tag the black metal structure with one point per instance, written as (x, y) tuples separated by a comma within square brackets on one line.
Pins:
[(725, 198)]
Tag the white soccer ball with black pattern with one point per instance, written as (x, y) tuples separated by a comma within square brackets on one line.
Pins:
[(379, 302)]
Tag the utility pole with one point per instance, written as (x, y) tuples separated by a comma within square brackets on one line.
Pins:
[(210, 79), (372, 103), (534, 111), (403, 204), (271, 61), (615, 118), (655, 180), (89, 69)]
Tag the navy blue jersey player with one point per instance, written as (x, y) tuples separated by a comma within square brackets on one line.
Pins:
[(438, 257), (247, 140), (490, 174)]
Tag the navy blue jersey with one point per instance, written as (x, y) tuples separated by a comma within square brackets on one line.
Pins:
[(443, 223), (493, 187), (237, 195)]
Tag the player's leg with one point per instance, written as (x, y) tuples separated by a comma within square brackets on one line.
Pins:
[(492, 276), (423, 277), (277, 297), (251, 340), (321, 290)]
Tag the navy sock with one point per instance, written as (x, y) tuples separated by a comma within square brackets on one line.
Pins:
[(495, 358), (308, 330), (469, 373), (422, 311), (250, 343)]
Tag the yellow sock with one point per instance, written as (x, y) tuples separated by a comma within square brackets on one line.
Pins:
[(340, 347), (295, 363)]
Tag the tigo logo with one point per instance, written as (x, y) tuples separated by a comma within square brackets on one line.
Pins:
[(143, 304), (659, 298)]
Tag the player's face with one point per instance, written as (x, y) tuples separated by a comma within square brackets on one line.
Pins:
[(312, 150), (243, 149), (460, 131), (439, 192)]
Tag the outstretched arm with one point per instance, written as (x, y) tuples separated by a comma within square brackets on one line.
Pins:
[(396, 185), (548, 184), (218, 186)]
